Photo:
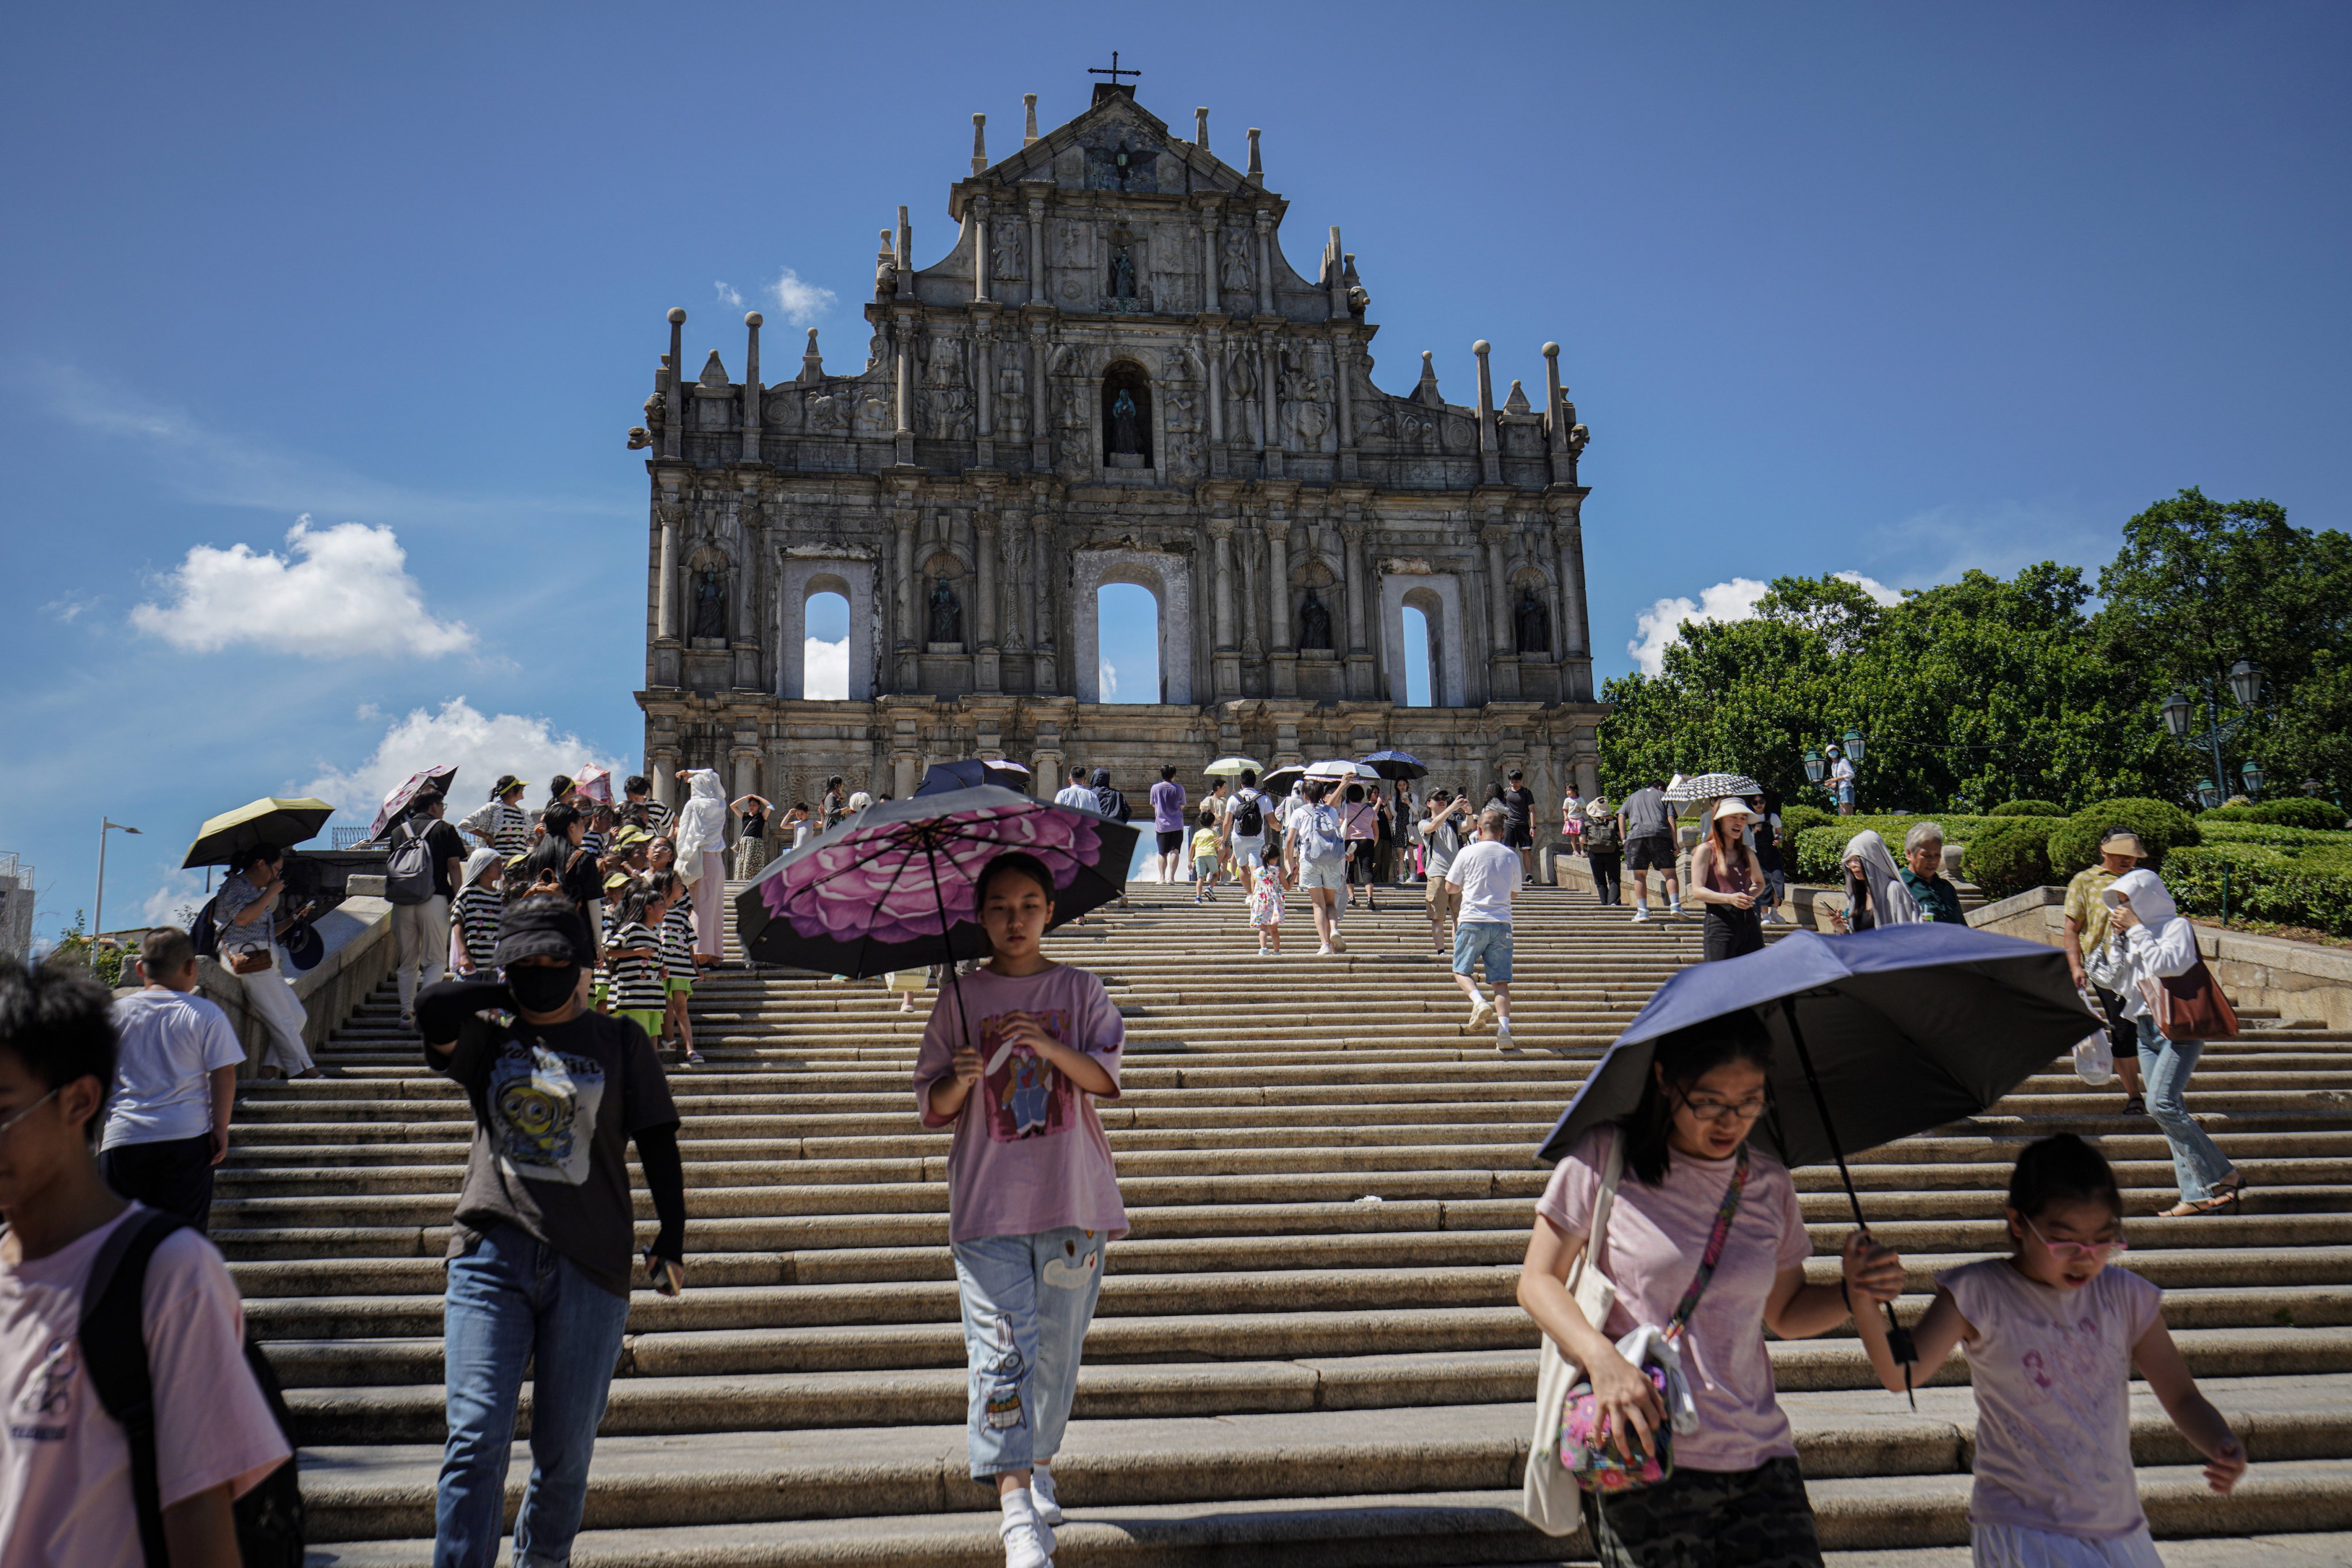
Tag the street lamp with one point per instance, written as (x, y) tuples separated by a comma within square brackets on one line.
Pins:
[(1853, 744), (2209, 794), (2177, 711), (1814, 766), (98, 916), (2253, 774), (2246, 683)]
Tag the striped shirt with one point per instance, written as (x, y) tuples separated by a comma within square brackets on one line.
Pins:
[(656, 816), (636, 984), (593, 842), (677, 940), (478, 912), (509, 830), (603, 973)]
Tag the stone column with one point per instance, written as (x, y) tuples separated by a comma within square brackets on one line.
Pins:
[(908, 639), (984, 380), (666, 577), (1351, 538), (1040, 430), (1225, 671), (1555, 428), (1265, 263), (1503, 661), (1037, 250), (983, 558), (673, 426), (1343, 356), (661, 765), (1269, 364), (1568, 542), (905, 347), (1490, 460), (1213, 346), (979, 257), (1044, 596), (1281, 653), (752, 389), (1013, 619), (1212, 293)]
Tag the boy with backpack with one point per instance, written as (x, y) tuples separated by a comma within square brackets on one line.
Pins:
[(1245, 831), (108, 1306)]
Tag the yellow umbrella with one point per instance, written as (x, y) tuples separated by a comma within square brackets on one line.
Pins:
[(1233, 767), (269, 820)]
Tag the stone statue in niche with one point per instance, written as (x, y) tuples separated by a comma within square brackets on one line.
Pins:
[(1305, 416), (710, 605), (1314, 623), (1122, 275), (1011, 393), (1233, 276), (1126, 426), (1241, 394), (1534, 623), (1005, 249), (946, 613)]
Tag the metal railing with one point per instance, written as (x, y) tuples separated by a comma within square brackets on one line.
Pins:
[(349, 838)]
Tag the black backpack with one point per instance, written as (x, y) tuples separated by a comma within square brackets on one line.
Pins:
[(114, 1349), (1249, 822), (205, 930)]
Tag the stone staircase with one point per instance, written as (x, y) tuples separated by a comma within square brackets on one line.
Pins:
[(1308, 1352)]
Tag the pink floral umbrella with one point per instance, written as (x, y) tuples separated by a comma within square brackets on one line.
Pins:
[(594, 783), (896, 886), (396, 803)]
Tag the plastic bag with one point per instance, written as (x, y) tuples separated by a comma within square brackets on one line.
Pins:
[(2094, 1061)]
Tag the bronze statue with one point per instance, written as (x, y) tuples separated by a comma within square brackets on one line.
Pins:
[(1534, 623), (1314, 623), (947, 614), (711, 606), (1126, 428)]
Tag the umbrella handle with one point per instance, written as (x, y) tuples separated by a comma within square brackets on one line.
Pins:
[(1899, 1343), (947, 948)]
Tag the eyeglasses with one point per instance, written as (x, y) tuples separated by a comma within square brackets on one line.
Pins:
[(27, 1111), (1708, 1109), (2095, 1251)]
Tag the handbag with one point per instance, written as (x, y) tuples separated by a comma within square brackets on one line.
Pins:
[(1550, 1499), (2191, 1006), (2106, 964), (1584, 1431), (250, 961)]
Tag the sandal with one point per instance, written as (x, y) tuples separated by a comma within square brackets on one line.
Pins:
[(2226, 1196)]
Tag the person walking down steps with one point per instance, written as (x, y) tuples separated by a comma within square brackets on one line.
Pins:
[(1032, 1198)]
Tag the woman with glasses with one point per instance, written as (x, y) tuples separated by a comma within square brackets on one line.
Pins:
[(1704, 1242), (2052, 1334)]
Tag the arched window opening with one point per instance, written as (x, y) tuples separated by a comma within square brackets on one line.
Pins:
[(824, 658), (1417, 644), (1126, 416), (1128, 640)]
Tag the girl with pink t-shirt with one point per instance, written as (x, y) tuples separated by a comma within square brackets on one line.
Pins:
[(1734, 1485), (2052, 1334), (1032, 1196)]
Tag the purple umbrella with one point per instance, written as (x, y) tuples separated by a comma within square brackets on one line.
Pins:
[(897, 885), (396, 803)]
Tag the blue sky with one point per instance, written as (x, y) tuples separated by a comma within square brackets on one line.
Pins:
[(1894, 290)]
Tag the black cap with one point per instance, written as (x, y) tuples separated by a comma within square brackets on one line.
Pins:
[(542, 926)]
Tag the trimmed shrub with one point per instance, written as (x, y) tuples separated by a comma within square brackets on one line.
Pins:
[(2161, 827), (2277, 837), (1795, 819), (1818, 848), (2028, 808), (2313, 889), (2009, 858), (2296, 811)]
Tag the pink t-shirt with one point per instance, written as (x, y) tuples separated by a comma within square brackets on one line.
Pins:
[(2052, 1375), (1656, 1236), (65, 1465), (1029, 1151)]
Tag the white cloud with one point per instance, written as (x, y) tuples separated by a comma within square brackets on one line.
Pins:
[(1660, 625), (1872, 586), (68, 607), (825, 671), (339, 592), (727, 293), (799, 303), (480, 746), (1107, 677), (174, 902)]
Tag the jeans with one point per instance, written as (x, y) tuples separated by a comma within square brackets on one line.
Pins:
[(422, 933), (511, 1300), (2164, 1068), (1027, 1300)]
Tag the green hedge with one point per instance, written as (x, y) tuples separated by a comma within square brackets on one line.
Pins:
[(2309, 890), (1820, 849), (1795, 819), (2161, 827), (2028, 808), (2006, 860), (2276, 837), (2295, 811)]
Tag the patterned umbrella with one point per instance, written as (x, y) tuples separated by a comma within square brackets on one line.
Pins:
[(397, 801), (1712, 786), (595, 785)]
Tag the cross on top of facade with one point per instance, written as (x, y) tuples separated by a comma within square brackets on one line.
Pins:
[(1111, 70)]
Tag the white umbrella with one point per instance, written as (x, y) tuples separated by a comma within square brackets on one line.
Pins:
[(1233, 767), (1711, 786), (1340, 768)]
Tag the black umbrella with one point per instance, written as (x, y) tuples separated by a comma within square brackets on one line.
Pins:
[(972, 773), (897, 885), (1884, 1033), (1395, 764), (1279, 781)]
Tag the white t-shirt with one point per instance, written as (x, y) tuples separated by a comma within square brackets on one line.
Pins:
[(1487, 872), (171, 1043), (65, 1465), (1078, 797)]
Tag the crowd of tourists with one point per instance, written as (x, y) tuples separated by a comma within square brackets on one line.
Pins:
[(546, 966)]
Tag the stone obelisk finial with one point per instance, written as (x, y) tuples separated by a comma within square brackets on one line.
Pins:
[(979, 143), (1201, 128), (1257, 165), (1029, 108)]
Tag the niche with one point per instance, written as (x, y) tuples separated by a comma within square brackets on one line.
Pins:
[(1126, 416)]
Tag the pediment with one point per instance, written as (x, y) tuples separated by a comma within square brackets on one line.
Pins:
[(1117, 146)]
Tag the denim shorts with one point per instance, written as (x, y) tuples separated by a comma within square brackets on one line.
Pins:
[(1331, 874), (1489, 940)]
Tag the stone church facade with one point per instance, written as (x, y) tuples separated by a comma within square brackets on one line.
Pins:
[(1114, 375)]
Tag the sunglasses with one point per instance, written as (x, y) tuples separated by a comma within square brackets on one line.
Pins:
[(2095, 1251)]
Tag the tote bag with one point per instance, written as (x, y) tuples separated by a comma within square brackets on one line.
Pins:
[(1550, 1500)]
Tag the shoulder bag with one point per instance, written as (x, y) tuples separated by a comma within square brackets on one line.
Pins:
[(2190, 1007), (1550, 1499), (1584, 1433)]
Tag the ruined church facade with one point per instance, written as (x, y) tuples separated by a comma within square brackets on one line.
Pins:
[(1114, 375)]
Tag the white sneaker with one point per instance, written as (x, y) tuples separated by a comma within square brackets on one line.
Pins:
[(1641, 913), (1482, 1014), (1323, 951), (1028, 1539), (1337, 945), (1041, 1491), (1503, 1035)]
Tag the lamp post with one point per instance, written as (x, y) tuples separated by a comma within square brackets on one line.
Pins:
[(2179, 710), (97, 915)]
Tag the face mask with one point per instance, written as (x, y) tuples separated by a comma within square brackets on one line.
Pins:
[(538, 988)]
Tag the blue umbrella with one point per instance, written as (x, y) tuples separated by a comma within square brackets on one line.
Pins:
[(972, 773), (1882, 1034)]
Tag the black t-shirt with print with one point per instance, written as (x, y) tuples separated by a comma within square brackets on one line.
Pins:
[(554, 1108), (442, 844)]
